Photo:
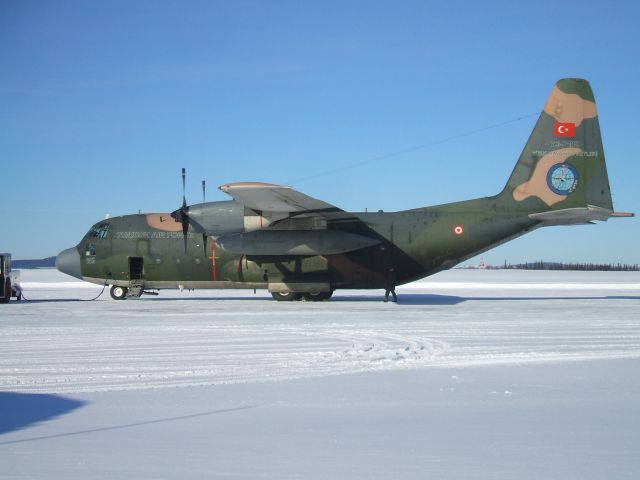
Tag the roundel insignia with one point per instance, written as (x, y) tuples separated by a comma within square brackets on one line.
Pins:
[(562, 178), (458, 230)]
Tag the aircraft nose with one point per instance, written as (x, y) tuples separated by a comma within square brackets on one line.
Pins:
[(68, 261)]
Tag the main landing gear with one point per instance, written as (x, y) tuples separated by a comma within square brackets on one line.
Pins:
[(308, 296)]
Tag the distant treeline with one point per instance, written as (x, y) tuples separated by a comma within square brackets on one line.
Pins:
[(600, 267)]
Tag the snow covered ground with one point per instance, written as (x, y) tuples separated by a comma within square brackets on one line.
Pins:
[(474, 374)]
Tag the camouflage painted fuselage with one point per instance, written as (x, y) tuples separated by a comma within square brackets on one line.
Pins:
[(413, 244), (273, 237)]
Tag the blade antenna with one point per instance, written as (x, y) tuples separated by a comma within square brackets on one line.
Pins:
[(204, 187)]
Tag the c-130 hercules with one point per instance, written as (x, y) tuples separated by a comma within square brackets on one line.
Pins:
[(273, 237)]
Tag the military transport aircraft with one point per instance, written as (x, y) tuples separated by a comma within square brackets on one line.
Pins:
[(276, 238)]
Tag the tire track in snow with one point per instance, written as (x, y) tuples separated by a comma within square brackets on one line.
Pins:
[(66, 347)]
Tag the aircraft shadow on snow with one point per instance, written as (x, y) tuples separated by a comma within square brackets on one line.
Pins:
[(431, 299), (22, 410), (33, 408), (403, 299)]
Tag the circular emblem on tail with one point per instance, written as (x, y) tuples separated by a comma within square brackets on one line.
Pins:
[(562, 178)]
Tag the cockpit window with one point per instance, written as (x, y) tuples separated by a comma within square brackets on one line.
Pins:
[(100, 231)]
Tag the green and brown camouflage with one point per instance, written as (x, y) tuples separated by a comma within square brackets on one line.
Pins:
[(272, 237)]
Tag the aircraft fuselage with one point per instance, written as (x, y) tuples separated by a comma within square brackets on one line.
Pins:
[(272, 236), (412, 244)]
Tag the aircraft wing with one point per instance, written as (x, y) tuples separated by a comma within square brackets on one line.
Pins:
[(280, 199), (294, 223)]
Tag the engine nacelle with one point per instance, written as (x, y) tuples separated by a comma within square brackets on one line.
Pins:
[(228, 217)]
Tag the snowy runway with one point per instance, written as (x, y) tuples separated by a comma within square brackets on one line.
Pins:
[(218, 337), (556, 354)]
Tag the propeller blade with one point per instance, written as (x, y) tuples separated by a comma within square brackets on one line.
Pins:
[(185, 229), (184, 195), (182, 215)]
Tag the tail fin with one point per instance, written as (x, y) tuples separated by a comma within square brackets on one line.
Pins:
[(561, 176)]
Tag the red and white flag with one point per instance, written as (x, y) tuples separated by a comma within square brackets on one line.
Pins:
[(565, 129)]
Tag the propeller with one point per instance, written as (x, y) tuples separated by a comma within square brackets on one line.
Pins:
[(182, 214)]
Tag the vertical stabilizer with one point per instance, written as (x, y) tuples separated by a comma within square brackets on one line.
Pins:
[(562, 165)]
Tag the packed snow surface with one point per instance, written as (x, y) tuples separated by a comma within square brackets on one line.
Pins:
[(473, 374)]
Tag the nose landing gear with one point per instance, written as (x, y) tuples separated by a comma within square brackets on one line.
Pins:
[(118, 293)]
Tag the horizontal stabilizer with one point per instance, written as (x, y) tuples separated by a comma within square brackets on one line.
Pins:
[(576, 216), (622, 214), (294, 242)]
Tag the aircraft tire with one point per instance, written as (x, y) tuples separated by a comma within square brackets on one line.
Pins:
[(118, 293), (318, 296), (286, 296), (7, 292)]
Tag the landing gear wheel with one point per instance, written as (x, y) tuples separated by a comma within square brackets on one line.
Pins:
[(118, 293), (318, 296), (286, 296)]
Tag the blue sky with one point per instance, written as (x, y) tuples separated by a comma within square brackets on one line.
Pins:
[(102, 103)]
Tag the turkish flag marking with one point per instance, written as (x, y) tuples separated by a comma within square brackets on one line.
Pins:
[(565, 129)]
